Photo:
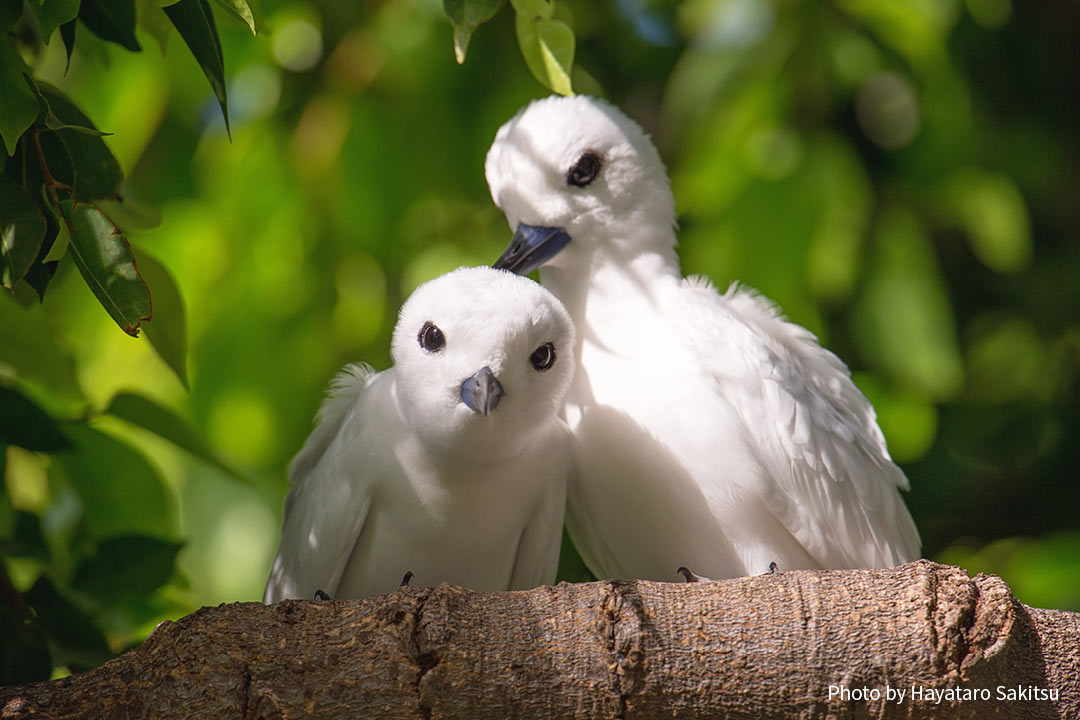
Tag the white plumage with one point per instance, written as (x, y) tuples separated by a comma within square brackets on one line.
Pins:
[(452, 464), (708, 431)]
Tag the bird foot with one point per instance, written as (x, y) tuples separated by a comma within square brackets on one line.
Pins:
[(773, 569), (405, 580), (691, 577), (320, 595)]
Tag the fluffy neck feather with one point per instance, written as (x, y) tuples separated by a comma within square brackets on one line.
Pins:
[(614, 274)]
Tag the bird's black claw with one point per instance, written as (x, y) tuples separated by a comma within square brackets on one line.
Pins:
[(773, 569), (690, 576), (320, 595), (405, 580)]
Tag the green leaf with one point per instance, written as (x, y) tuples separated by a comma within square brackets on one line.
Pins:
[(39, 275), (52, 14), (125, 566), (194, 21), (166, 424), (26, 539), (97, 173), (73, 638), (10, 13), (52, 121), (112, 20), (557, 48), (104, 257), (58, 161), (22, 230), (548, 48), (167, 331), (19, 108), (67, 34), (155, 22), (25, 424), (42, 271), (465, 16), (31, 350), (120, 491), (536, 9), (239, 9), (25, 168), (60, 246)]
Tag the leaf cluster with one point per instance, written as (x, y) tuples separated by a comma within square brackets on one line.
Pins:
[(95, 563), (546, 44), (61, 184), (98, 561)]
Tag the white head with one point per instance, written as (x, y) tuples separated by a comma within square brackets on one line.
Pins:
[(482, 360), (574, 177)]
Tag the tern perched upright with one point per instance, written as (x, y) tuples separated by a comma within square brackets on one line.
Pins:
[(709, 432), (452, 464)]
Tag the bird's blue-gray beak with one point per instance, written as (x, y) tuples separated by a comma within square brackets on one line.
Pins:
[(531, 247), (482, 391)]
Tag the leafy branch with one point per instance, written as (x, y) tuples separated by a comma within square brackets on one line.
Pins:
[(64, 581), (546, 44)]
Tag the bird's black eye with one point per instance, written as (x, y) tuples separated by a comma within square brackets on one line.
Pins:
[(584, 170), (543, 357), (431, 338)]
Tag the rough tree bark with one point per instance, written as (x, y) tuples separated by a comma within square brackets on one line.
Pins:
[(759, 647)]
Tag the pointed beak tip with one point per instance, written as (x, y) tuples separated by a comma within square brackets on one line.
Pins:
[(531, 247), (481, 392)]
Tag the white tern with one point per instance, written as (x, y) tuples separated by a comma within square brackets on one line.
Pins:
[(709, 431), (452, 464)]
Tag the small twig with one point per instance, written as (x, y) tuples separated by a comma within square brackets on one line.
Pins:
[(51, 183)]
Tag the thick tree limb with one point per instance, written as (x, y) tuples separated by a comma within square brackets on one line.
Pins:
[(767, 646)]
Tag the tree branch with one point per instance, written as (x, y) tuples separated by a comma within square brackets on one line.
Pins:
[(793, 644)]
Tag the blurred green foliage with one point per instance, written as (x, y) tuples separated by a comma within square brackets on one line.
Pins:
[(900, 175)]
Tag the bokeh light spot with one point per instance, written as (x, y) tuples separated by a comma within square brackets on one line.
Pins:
[(239, 551), (994, 214), (254, 92), (772, 153), (241, 424), (727, 24), (888, 110), (437, 260), (361, 301), (990, 14), (297, 45)]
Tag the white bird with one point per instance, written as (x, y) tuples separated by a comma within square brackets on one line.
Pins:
[(452, 464), (709, 431)]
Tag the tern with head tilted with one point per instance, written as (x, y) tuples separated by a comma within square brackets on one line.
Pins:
[(709, 432), (452, 464)]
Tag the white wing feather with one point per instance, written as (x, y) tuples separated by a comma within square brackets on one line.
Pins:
[(536, 561), (833, 485), (323, 518)]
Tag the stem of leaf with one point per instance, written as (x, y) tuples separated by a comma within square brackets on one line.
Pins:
[(51, 183)]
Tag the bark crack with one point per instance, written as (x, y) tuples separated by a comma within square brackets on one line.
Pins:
[(245, 699), (624, 617), (953, 621), (992, 623), (965, 625), (259, 702), (931, 618), (425, 660)]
